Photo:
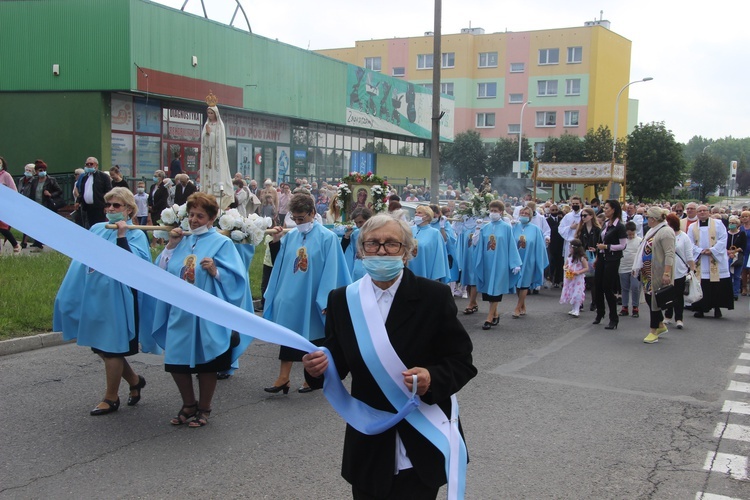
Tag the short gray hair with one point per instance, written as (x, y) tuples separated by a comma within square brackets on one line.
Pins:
[(378, 221)]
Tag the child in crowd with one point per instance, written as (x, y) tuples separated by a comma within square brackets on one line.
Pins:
[(574, 288), (268, 209), (141, 201), (630, 285)]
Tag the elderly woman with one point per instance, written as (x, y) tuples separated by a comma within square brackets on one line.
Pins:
[(430, 253), (209, 261), (683, 264), (533, 252), (736, 247), (104, 314), (613, 241), (654, 262)]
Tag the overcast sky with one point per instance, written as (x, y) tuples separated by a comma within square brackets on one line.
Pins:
[(697, 52)]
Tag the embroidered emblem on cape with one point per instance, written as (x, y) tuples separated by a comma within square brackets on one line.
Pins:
[(300, 262), (187, 272)]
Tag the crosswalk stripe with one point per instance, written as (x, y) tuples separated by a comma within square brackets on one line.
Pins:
[(734, 465), (736, 407), (732, 431), (711, 496), (745, 355), (742, 370), (738, 386)]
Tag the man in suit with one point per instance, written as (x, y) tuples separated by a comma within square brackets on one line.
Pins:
[(184, 187), (92, 187), (417, 319)]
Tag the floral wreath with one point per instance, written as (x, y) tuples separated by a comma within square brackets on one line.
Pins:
[(247, 230), (378, 189), (478, 204)]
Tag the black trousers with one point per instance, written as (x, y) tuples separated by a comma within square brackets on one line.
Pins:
[(679, 300), (656, 316), (555, 270), (406, 486), (606, 282)]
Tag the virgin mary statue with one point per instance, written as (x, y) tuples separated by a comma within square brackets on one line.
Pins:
[(214, 171)]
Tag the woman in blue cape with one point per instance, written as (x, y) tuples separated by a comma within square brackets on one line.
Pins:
[(349, 243), (210, 261), (466, 258), (430, 254), (102, 313), (441, 224), (533, 252)]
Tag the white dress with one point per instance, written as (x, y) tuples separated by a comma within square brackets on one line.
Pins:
[(214, 169)]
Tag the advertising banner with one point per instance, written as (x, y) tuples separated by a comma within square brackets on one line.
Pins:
[(283, 163), (122, 113), (122, 154), (256, 127)]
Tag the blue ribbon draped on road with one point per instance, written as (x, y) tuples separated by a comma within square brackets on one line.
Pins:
[(79, 244)]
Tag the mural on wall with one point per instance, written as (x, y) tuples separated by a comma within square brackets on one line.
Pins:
[(381, 102)]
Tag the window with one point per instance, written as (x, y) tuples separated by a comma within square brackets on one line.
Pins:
[(485, 120), (488, 59), (449, 59), (517, 67), (546, 118), (424, 61), (446, 88), (487, 90), (546, 87), (573, 86), (400, 71), (549, 56), (427, 86), (372, 63), (575, 54), (515, 98), (571, 118), (514, 128)]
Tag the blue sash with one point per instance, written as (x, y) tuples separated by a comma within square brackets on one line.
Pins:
[(386, 368), (93, 251)]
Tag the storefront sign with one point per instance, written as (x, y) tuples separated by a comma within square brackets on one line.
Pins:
[(256, 127)]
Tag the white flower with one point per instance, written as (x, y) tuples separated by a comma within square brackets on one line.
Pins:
[(226, 222), (176, 208), (185, 225), (237, 236), (168, 216), (234, 213), (182, 211)]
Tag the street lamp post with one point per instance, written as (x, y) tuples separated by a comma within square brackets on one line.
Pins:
[(520, 137), (614, 134)]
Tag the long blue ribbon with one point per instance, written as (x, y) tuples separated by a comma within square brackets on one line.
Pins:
[(79, 244)]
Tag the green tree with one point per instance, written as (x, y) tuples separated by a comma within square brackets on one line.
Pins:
[(709, 172), (503, 154), (465, 159), (655, 161), (597, 145), (564, 149)]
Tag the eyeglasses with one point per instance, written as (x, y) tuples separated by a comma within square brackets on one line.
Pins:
[(116, 206), (299, 220), (90, 164), (391, 247), (583, 216)]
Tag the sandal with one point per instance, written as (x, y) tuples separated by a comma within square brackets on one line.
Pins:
[(183, 416), (471, 310), (201, 418), (495, 321), (487, 325)]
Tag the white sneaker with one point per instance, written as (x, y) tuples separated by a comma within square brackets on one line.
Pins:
[(667, 321), (464, 295), (574, 313), (679, 324)]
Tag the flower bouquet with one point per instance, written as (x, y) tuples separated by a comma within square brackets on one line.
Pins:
[(250, 229)]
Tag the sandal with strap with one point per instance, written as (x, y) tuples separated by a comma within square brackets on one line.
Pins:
[(471, 310), (183, 416), (201, 418)]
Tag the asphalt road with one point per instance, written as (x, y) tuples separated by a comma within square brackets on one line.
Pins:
[(560, 409)]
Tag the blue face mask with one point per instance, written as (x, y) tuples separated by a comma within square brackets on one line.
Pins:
[(89, 170), (383, 268), (156, 179), (524, 220), (42, 173), (28, 174), (115, 217)]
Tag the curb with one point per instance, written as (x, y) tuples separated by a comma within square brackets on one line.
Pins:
[(14, 346)]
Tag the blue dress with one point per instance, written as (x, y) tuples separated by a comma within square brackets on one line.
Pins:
[(353, 263), (193, 344), (467, 254), (100, 312), (533, 253), (431, 261), (450, 247), (497, 255)]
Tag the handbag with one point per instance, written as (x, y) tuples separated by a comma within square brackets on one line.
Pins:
[(665, 297), (693, 290), (591, 257)]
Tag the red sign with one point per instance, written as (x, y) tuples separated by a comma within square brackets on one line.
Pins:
[(258, 159)]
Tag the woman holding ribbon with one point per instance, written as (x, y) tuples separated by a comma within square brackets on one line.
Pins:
[(105, 315), (426, 349), (192, 344)]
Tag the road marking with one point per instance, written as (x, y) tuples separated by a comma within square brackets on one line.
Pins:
[(732, 431), (734, 465), (745, 355), (711, 496), (738, 386), (736, 407), (742, 369)]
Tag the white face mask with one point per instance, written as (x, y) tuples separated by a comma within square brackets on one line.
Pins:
[(201, 230), (494, 216), (418, 220), (305, 228)]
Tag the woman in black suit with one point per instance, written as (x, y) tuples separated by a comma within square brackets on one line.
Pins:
[(613, 240)]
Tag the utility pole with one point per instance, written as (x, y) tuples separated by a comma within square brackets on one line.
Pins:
[(437, 61)]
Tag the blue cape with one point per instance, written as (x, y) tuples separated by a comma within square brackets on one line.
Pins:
[(496, 255), (534, 256), (431, 261)]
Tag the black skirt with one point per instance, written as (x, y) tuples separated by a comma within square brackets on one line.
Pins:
[(221, 363), (491, 298), (715, 294), (291, 354)]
